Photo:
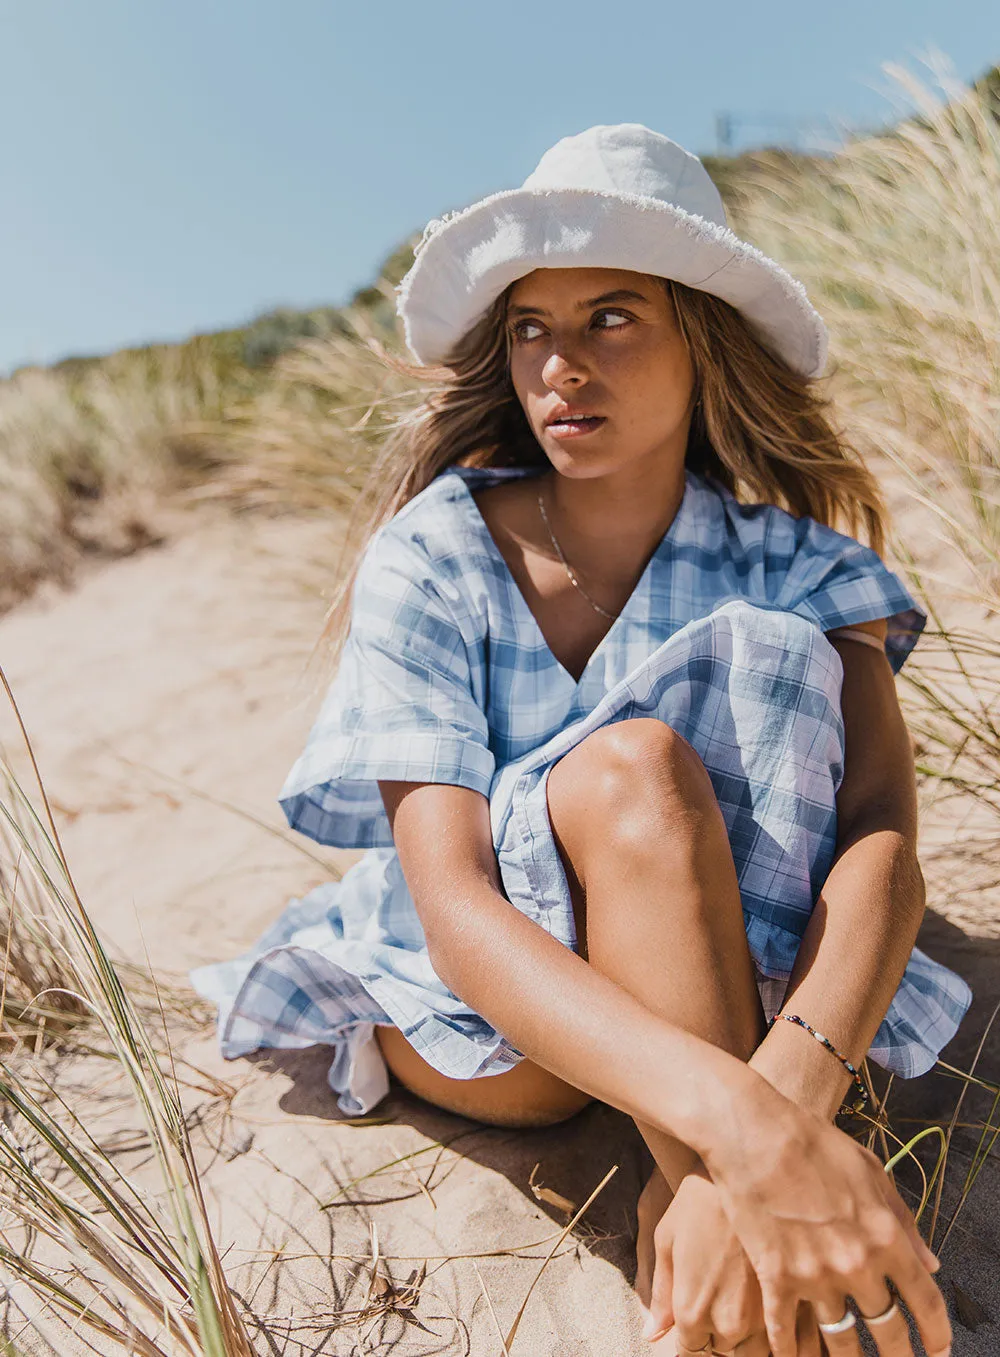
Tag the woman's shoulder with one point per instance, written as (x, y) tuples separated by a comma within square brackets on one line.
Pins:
[(761, 528), (436, 545), (442, 523), (433, 528), (799, 564)]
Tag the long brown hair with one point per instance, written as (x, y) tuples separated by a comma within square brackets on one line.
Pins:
[(760, 428)]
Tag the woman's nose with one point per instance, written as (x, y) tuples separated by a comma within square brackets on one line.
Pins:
[(563, 368)]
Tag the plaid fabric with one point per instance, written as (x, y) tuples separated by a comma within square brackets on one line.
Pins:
[(446, 678)]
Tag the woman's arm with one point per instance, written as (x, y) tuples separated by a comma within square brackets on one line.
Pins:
[(848, 967), (543, 997), (864, 926), (813, 1210)]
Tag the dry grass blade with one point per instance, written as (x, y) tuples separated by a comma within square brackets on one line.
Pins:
[(283, 835), (402, 1160), (546, 1194), (512, 1331), (951, 1126), (143, 1265), (493, 1314)]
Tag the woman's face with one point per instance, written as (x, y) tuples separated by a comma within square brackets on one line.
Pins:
[(603, 345)]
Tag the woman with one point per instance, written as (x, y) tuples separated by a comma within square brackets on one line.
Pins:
[(616, 720)]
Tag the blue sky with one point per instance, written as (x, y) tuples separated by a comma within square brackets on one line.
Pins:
[(173, 166)]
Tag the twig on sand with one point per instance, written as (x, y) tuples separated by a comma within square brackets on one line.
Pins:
[(562, 1235)]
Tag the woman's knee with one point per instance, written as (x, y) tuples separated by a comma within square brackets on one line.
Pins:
[(625, 772)]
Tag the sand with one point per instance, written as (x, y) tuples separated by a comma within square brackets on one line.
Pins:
[(167, 697)]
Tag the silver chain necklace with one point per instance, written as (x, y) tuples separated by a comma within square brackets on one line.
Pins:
[(566, 566)]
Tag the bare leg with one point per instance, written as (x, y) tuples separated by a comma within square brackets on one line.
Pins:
[(658, 909), (523, 1096)]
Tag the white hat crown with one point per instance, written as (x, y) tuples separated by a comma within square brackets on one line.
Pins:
[(620, 197), (631, 159)]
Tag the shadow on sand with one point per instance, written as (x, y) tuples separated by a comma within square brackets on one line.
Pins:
[(575, 1155)]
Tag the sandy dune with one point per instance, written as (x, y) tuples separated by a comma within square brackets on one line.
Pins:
[(167, 699)]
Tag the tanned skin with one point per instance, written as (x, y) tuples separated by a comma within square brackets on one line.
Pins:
[(760, 1216)]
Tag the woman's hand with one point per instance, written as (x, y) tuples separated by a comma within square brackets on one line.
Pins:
[(702, 1279), (703, 1283), (820, 1221)]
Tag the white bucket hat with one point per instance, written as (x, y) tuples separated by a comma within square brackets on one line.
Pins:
[(619, 197)]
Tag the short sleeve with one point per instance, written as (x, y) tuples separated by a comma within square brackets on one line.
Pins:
[(834, 581), (406, 703)]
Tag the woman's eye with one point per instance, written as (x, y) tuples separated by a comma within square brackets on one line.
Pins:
[(612, 320), (527, 330), (521, 329)]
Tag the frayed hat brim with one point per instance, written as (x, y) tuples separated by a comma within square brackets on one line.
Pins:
[(465, 261)]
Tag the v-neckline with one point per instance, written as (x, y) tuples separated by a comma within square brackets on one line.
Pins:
[(620, 620)]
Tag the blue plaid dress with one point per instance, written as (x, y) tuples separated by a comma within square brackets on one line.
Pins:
[(446, 677)]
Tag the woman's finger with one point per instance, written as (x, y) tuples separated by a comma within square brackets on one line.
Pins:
[(696, 1346), (885, 1321), (694, 1334), (660, 1315), (904, 1215), (754, 1346), (780, 1321), (925, 1303), (838, 1326)]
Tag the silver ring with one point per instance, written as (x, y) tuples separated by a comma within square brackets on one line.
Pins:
[(847, 1321), (890, 1312)]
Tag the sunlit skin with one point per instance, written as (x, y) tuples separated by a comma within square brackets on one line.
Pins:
[(602, 354), (601, 342), (663, 953)]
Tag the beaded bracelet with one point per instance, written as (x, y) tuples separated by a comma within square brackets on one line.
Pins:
[(862, 1097)]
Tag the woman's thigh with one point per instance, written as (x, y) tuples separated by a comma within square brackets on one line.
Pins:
[(625, 757), (525, 1095)]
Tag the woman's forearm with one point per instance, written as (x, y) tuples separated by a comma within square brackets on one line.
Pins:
[(567, 1017), (849, 965)]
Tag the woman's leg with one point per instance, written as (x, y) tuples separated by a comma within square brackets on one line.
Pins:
[(525, 1095), (657, 904), (658, 910)]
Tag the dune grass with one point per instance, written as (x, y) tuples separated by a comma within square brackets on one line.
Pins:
[(304, 442), (90, 450), (134, 1264), (898, 240)]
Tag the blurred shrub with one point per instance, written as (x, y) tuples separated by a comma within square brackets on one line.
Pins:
[(89, 450), (897, 239), (273, 334)]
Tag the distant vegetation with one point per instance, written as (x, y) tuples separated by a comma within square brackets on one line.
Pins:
[(896, 237), (92, 449), (898, 240)]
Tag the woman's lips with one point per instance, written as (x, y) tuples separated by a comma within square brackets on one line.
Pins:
[(575, 427)]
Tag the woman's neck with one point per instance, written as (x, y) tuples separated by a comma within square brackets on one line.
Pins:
[(615, 518)]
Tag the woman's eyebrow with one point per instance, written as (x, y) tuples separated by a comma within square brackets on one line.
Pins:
[(622, 294)]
